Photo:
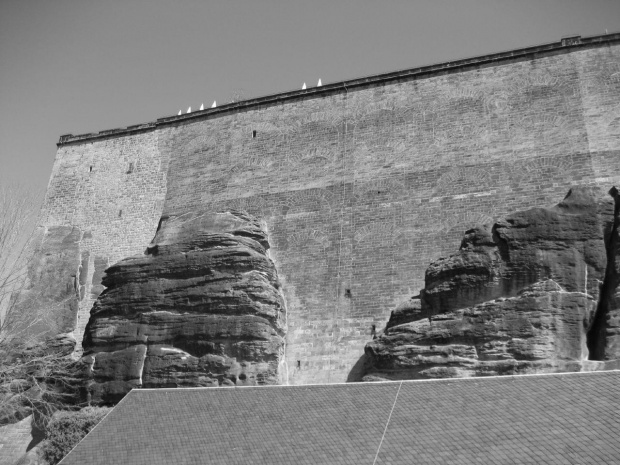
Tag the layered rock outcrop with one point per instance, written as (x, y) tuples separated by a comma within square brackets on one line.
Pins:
[(202, 307), (536, 292)]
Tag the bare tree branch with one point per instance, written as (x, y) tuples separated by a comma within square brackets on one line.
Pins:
[(19, 207), (37, 381)]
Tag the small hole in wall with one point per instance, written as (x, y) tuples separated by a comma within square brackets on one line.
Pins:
[(373, 331), (299, 364), (120, 213), (130, 169), (242, 376), (90, 169), (347, 293), (253, 134)]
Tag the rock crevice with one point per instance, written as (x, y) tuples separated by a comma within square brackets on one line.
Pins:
[(603, 337)]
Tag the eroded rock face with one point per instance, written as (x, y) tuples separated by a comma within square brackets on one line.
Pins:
[(202, 307), (534, 293), (604, 335)]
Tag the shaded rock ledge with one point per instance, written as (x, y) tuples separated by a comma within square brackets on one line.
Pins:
[(535, 293), (202, 307)]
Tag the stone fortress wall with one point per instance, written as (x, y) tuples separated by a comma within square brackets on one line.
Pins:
[(112, 191), (361, 184)]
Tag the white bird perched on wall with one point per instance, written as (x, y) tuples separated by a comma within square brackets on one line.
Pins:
[(303, 87), (214, 104), (179, 113), (319, 84), (189, 109), (202, 106)]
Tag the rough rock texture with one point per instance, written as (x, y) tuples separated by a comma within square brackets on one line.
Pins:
[(202, 307), (47, 306), (536, 292), (604, 336)]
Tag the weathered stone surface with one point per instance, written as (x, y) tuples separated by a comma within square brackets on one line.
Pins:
[(537, 292), (540, 329), (202, 307), (47, 306), (360, 189), (409, 310), (564, 243), (604, 340)]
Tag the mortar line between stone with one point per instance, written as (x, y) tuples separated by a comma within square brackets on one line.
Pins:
[(342, 209), (387, 423)]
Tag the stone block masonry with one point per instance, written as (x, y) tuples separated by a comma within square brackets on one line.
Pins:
[(113, 190), (360, 184)]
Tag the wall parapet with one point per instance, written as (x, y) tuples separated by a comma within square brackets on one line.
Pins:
[(565, 44), (70, 138)]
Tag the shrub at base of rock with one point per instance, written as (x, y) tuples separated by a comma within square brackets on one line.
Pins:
[(66, 429), (37, 380)]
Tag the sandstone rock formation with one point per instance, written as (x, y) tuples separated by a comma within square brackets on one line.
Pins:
[(536, 292), (202, 307)]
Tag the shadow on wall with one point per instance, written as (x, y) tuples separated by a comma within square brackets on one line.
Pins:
[(359, 369)]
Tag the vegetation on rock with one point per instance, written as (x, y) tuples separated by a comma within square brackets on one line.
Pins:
[(66, 429), (18, 209), (37, 380)]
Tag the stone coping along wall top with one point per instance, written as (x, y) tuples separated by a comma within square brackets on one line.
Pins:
[(565, 43)]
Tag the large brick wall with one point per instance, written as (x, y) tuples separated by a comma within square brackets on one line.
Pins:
[(360, 184), (113, 191)]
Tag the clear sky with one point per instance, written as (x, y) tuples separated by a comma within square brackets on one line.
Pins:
[(76, 66)]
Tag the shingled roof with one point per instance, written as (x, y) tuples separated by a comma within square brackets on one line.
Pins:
[(571, 418)]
